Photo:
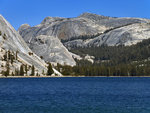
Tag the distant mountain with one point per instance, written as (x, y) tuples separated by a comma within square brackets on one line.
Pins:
[(126, 31), (118, 31), (14, 52), (86, 30), (126, 35)]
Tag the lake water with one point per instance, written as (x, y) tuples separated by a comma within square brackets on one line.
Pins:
[(75, 95)]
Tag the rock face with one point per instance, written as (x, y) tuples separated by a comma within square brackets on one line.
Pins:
[(63, 28), (85, 30), (51, 49), (45, 44), (118, 31), (127, 35), (10, 40), (87, 24)]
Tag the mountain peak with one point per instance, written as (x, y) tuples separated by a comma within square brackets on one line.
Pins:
[(23, 27), (93, 16), (88, 13), (49, 20)]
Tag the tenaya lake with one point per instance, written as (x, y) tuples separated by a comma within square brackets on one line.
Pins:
[(75, 95)]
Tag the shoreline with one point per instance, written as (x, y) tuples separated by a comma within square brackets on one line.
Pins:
[(69, 76)]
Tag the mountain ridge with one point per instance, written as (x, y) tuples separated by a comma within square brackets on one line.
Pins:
[(88, 30), (12, 42)]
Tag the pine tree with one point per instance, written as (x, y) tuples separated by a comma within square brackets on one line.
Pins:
[(37, 74), (4, 37), (16, 72), (5, 56), (12, 59), (43, 73), (12, 74), (6, 73), (16, 55), (26, 69), (21, 70), (32, 70), (9, 55), (49, 69)]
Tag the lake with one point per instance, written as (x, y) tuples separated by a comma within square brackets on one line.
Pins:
[(75, 95)]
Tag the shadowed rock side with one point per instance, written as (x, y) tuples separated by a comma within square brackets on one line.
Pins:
[(13, 42)]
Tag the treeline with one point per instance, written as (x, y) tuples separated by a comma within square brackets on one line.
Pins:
[(117, 54), (118, 27), (83, 37), (112, 61), (82, 69)]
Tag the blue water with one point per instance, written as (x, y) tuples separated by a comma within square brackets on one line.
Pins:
[(75, 95)]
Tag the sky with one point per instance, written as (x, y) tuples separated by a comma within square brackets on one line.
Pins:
[(18, 12)]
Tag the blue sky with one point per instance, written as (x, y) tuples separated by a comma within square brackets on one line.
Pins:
[(18, 12)]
